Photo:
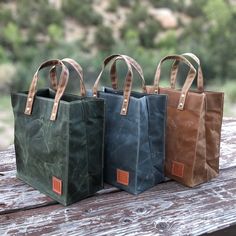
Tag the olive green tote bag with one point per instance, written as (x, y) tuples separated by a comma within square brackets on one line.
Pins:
[(59, 138)]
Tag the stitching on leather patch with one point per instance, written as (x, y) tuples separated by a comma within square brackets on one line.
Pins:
[(122, 177), (177, 169), (57, 185)]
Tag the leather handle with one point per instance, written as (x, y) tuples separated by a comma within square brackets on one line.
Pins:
[(175, 68), (76, 67), (61, 87), (188, 82), (137, 67), (128, 80)]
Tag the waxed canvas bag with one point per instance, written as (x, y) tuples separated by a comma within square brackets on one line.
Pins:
[(134, 132), (194, 121), (59, 138)]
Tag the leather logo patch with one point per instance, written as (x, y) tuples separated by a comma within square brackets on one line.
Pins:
[(122, 177), (57, 185), (177, 169)]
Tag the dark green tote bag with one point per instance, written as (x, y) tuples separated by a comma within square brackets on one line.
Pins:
[(59, 139), (134, 132)]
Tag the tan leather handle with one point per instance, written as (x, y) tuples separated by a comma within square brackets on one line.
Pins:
[(76, 67), (137, 67), (175, 68), (188, 82), (128, 81), (61, 87)]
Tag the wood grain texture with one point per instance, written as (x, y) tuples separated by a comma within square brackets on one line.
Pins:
[(16, 195), (7, 160), (167, 209), (228, 143)]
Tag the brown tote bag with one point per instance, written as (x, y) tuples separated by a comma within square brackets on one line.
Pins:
[(194, 121)]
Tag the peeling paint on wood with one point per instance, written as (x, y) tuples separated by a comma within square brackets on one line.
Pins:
[(167, 209)]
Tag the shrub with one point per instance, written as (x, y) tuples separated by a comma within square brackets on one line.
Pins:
[(7, 73), (148, 33), (43, 14), (104, 38), (125, 3), (12, 39), (82, 11), (229, 89), (138, 14), (12, 34), (195, 8), (5, 16), (48, 15), (3, 55), (173, 5), (113, 6), (55, 33), (169, 40)]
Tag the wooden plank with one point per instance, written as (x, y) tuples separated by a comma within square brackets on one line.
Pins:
[(14, 193), (228, 143), (17, 196), (7, 160), (167, 209), (229, 231)]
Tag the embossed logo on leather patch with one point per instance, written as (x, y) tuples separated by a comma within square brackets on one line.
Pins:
[(57, 185), (122, 177), (177, 169)]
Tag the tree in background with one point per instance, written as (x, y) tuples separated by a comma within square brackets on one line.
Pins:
[(35, 30)]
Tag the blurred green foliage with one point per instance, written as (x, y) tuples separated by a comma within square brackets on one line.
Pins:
[(125, 3), (35, 31), (90, 30), (113, 5), (82, 11), (104, 38)]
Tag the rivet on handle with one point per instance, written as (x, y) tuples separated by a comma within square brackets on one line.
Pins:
[(180, 107)]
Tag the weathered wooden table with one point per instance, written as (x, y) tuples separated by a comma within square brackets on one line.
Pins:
[(167, 209)]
